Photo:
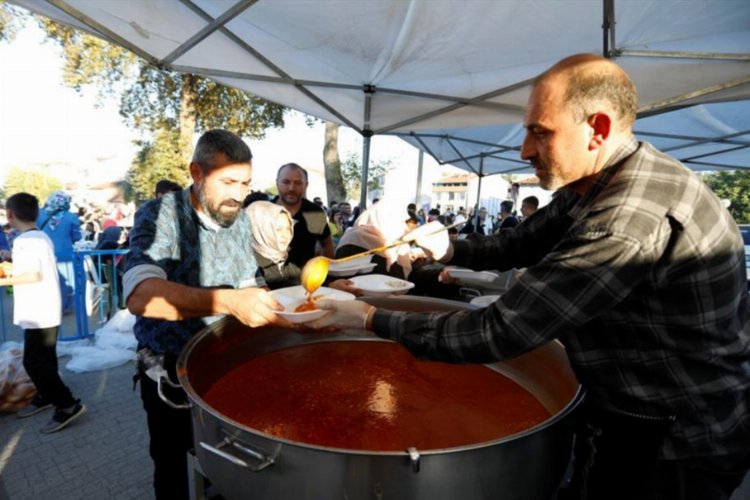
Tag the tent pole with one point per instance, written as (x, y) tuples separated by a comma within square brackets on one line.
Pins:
[(367, 133), (419, 178), (365, 171), (479, 195), (608, 29)]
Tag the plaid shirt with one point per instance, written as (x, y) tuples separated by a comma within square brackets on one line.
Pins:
[(643, 280)]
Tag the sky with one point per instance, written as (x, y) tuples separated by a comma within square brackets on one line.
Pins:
[(43, 122)]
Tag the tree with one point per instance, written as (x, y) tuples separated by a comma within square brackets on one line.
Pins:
[(335, 189), (156, 160), (733, 185), (37, 181), (351, 172), (11, 20), (157, 101), (344, 179)]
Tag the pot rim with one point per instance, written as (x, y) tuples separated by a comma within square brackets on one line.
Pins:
[(367, 337)]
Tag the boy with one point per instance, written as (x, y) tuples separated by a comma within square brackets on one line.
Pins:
[(37, 284)]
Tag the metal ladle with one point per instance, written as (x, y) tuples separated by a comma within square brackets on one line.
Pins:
[(315, 270)]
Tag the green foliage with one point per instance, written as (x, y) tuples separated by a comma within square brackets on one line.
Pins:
[(11, 20), (157, 160), (153, 99), (156, 99), (733, 185), (166, 106), (351, 172), (90, 61), (37, 181)]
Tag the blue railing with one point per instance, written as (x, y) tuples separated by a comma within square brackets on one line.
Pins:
[(92, 292)]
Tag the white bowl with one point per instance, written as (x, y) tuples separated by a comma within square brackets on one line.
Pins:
[(381, 285), (351, 271), (484, 300), (357, 263), (286, 296), (300, 317), (469, 276)]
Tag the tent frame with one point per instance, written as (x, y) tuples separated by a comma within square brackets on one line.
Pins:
[(306, 87)]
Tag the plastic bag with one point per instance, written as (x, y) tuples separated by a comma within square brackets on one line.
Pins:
[(117, 333), (16, 388), (92, 358)]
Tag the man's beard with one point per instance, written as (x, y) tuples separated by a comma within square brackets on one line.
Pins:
[(290, 199), (547, 181), (214, 210)]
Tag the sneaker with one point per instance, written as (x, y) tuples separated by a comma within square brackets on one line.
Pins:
[(64, 416), (37, 404)]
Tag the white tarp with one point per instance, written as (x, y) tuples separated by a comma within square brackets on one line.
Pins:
[(390, 66), (704, 137)]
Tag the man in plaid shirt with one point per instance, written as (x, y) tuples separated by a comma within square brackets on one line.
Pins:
[(638, 269)]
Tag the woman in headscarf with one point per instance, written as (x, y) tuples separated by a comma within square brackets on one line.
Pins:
[(382, 224), (272, 229), (271, 226), (64, 229)]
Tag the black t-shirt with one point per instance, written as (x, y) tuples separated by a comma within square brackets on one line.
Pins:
[(509, 222), (310, 226)]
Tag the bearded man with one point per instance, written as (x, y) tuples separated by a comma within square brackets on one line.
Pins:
[(638, 269), (190, 262)]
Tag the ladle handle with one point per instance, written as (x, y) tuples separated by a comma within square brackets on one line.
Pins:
[(394, 244), (371, 251)]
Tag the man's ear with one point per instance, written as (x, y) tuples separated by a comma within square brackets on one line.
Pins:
[(601, 126), (195, 172)]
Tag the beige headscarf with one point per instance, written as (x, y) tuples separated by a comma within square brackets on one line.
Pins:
[(272, 229), (381, 224)]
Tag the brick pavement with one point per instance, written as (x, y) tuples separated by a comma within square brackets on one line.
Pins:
[(102, 455)]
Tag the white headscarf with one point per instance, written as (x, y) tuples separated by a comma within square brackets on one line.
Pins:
[(381, 224), (272, 229)]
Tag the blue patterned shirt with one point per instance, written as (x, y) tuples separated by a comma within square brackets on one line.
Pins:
[(170, 240)]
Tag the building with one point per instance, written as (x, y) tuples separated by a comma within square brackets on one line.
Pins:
[(451, 192), (456, 191)]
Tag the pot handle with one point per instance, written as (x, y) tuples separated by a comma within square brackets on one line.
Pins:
[(413, 459), (263, 461), (167, 401)]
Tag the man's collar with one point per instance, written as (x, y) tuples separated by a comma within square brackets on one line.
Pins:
[(621, 153)]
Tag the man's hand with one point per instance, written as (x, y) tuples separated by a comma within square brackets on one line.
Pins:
[(445, 277), (254, 307), (345, 286), (343, 314), (433, 238)]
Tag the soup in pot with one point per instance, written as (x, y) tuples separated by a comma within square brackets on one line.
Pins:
[(376, 396)]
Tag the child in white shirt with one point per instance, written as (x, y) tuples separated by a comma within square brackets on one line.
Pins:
[(37, 309)]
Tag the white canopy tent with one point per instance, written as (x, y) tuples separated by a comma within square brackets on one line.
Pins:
[(407, 66), (711, 136)]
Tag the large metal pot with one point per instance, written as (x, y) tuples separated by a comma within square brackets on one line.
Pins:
[(244, 463)]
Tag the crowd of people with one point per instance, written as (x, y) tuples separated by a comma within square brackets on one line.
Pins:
[(635, 266)]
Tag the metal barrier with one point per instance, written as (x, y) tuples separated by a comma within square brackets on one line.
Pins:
[(90, 287), (97, 291)]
